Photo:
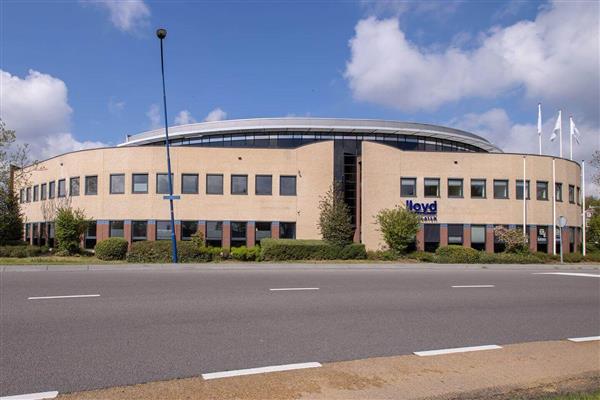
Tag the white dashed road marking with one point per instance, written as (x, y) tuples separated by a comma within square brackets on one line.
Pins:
[(568, 274), (473, 286), (456, 350), (293, 288), (32, 396), (584, 339), (63, 297), (261, 370)]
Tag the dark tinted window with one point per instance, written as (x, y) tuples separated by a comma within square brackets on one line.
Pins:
[(117, 229), (264, 185), (571, 194), (500, 189), (188, 228), (214, 184), (287, 230), (519, 190), (43, 191), (163, 230), (408, 187), (139, 183), (62, 188), (51, 189), (455, 188), (162, 183), (238, 234), (558, 191), (477, 188), (287, 185), (239, 184), (189, 183), (455, 234), (91, 185), (431, 187), (139, 230), (542, 190), (74, 186), (214, 233), (36, 193), (263, 231), (117, 184)]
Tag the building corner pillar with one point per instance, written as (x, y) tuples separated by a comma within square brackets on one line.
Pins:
[(250, 233), (489, 238), (226, 239), (420, 239), (533, 238), (467, 235), (443, 235)]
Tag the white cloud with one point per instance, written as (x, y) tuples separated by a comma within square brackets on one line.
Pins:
[(432, 8), (126, 15), (37, 108), (216, 115), (115, 106), (154, 115), (184, 117), (553, 58)]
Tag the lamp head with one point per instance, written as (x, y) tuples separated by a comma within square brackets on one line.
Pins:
[(161, 33)]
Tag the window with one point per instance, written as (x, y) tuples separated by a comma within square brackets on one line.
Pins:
[(91, 185), (139, 230), (188, 228), (74, 186), (117, 184), (90, 235), (214, 184), (62, 188), (519, 189), (163, 230), (43, 191), (239, 184), (431, 233), (162, 183), (36, 193), (287, 230), (432, 187), (408, 187), (263, 185), (500, 189), (478, 189), (28, 195), (117, 228), (558, 191), (51, 189), (455, 188), (139, 183), (263, 231), (542, 190), (287, 185), (578, 195), (455, 234), (478, 237), (189, 183), (238, 234), (214, 233), (22, 196), (571, 194)]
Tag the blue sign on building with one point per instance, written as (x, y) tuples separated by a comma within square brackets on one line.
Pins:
[(427, 211)]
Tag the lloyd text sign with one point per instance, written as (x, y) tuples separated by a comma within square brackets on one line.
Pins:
[(427, 211)]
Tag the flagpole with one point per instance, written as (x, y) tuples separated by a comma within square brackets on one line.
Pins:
[(583, 202), (571, 137), (554, 207), (560, 134), (524, 200), (539, 127)]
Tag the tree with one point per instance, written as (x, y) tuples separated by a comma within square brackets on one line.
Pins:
[(596, 164), (593, 232), (399, 227), (70, 227), (335, 221), (11, 219), (513, 239)]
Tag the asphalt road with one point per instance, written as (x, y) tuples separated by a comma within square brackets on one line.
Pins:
[(155, 324)]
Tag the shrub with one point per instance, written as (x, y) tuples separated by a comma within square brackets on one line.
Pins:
[(160, 252), (399, 228), (456, 254), (213, 253), (593, 256), (423, 256), (11, 219), (381, 255), (335, 222), (513, 239), (593, 232), (244, 253), (70, 226), (114, 248), (22, 251), (198, 239), (573, 257), (292, 249), (509, 258)]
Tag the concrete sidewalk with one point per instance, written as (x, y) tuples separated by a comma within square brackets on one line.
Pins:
[(527, 369)]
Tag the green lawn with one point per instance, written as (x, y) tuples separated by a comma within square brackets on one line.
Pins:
[(53, 260)]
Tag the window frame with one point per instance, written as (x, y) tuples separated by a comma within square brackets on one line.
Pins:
[(86, 188), (245, 193), (484, 180), (71, 180), (51, 189), (507, 182), (572, 192), (519, 192), (537, 190), (36, 193), (197, 190), (43, 189), (408, 178), (110, 183), (168, 223), (281, 178), (256, 178), (439, 187), (222, 184), (138, 238), (462, 188), (110, 229), (158, 174), (558, 193), (133, 191), (64, 186)]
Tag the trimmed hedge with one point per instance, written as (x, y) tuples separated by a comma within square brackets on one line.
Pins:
[(454, 254), (244, 253), (160, 252), (292, 249), (114, 248), (23, 251)]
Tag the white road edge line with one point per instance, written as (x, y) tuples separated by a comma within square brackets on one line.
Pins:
[(261, 370), (455, 350), (32, 396), (293, 288), (473, 286), (63, 297), (584, 339), (567, 274)]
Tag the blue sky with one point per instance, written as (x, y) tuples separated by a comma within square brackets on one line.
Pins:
[(78, 73)]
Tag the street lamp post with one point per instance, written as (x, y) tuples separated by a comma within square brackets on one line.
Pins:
[(161, 34)]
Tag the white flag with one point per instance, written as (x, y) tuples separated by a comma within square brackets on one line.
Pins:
[(539, 120), (575, 132), (557, 127)]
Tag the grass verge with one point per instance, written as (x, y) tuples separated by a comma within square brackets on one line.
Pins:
[(54, 260)]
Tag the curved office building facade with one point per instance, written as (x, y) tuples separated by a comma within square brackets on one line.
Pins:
[(243, 180)]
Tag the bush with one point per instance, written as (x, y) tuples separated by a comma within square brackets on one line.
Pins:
[(70, 226), (382, 255), (160, 252), (399, 227), (244, 253), (292, 249), (422, 256), (22, 251), (454, 254), (335, 221), (510, 258), (592, 256), (513, 239), (11, 219), (114, 248), (573, 257)]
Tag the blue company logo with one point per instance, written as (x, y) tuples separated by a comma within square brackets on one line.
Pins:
[(427, 211)]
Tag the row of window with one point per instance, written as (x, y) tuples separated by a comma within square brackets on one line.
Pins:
[(139, 184), (432, 188)]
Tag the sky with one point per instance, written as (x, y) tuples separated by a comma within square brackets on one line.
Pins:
[(82, 74)]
